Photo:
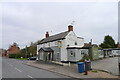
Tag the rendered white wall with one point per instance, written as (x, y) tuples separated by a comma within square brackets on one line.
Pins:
[(63, 51), (71, 38)]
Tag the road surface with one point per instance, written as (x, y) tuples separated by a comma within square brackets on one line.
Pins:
[(12, 68)]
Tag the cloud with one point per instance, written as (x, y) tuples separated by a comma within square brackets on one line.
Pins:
[(26, 22)]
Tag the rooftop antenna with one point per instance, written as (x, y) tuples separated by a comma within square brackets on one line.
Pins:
[(72, 23)]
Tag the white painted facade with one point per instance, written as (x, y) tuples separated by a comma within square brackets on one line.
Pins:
[(101, 54), (115, 52), (71, 40)]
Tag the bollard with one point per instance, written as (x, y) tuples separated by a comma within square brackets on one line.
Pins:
[(69, 64), (86, 68)]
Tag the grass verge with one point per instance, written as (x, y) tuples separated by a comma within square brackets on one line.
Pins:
[(21, 58)]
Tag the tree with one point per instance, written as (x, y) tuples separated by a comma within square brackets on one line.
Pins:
[(108, 42), (32, 50)]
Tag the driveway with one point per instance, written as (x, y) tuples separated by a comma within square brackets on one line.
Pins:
[(108, 64)]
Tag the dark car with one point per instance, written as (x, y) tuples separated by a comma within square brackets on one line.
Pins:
[(32, 58)]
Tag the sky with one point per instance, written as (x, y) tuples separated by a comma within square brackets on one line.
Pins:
[(26, 22)]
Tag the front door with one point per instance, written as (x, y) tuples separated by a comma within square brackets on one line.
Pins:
[(50, 56)]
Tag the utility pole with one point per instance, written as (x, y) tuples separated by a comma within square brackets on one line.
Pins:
[(26, 51)]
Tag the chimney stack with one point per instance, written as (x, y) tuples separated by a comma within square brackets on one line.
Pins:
[(90, 41), (47, 35), (70, 28)]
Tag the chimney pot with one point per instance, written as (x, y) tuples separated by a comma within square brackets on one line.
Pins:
[(47, 35), (70, 28)]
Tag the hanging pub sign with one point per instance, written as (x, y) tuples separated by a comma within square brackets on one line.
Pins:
[(59, 44)]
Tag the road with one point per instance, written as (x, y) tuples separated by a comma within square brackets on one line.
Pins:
[(12, 68)]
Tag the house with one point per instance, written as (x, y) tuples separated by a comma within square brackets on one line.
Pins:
[(101, 54), (4, 52), (107, 52), (62, 47), (115, 52), (92, 50), (13, 49), (118, 46)]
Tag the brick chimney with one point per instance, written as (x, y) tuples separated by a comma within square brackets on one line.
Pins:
[(70, 28), (47, 35)]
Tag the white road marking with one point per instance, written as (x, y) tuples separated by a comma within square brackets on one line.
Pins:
[(18, 70), (29, 76)]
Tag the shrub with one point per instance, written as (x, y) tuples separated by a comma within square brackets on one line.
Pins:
[(85, 57), (12, 55), (18, 55)]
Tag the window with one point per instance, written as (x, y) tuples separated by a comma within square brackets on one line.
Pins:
[(55, 42), (72, 54), (68, 45), (75, 43), (57, 55), (49, 44), (82, 53)]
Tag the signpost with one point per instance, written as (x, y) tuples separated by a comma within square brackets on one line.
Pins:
[(119, 35)]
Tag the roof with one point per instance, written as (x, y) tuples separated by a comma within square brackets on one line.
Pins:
[(76, 48), (118, 46), (116, 49), (46, 49), (88, 45), (54, 37), (80, 37)]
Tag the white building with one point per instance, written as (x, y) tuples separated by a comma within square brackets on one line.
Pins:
[(116, 51), (65, 46)]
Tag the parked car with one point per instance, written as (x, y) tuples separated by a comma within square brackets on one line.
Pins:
[(32, 58)]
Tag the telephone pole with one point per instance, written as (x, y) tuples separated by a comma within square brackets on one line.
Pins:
[(26, 51)]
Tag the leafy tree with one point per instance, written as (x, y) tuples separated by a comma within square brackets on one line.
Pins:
[(32, 49), (108, 42)]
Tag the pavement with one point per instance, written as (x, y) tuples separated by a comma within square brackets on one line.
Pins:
[(12, 68), (69, 70)]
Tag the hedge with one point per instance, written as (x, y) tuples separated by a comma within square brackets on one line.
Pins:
[(19, 55), (12, 55)]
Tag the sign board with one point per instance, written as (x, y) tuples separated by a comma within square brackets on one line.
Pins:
[(59, 44)]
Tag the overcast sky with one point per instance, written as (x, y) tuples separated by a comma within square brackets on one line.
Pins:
[(26, 22)]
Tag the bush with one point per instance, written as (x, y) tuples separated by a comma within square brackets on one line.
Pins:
[(18, 55), (12, 55), (85, 57)]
